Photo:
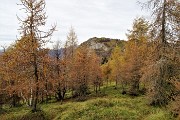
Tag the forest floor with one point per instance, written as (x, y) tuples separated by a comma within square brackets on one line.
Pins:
[(110, 104)]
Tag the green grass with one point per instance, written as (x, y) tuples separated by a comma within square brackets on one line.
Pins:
[(111, 105)]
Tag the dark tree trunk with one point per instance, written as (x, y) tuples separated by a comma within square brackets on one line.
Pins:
[(42, 97), (96, 88), (63, 92), (14, 100), (37, 85), (59, 96), (163, 30), (99, 86), (46, 88)]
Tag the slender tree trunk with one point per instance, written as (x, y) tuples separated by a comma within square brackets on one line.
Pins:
[(42, 97), (107, 81), (37, 85), (24, 99), (13, 100), (116, 82), (64, 92), (163, 30), (46, 88), (31, 97), (59, 96), (99, 86), (96, 88)]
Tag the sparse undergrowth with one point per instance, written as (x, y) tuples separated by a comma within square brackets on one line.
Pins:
[(111, 105)]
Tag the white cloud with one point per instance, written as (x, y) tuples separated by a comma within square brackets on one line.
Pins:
[(101, 18)]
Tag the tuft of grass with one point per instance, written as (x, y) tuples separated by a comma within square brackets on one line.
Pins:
[(39, 115), (159, 115), (14, 113)]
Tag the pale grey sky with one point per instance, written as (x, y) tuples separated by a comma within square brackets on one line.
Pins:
[(90, 18)]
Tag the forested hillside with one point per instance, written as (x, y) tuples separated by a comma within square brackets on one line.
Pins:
[(102, 78)]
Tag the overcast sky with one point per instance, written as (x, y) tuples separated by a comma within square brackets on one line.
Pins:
[(90, 18)]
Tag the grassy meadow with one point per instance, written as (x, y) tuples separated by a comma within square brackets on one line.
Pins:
[(110, 104)]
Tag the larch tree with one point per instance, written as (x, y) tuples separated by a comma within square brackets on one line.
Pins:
[(95, 73), (106, 72), (9, 73), (59, 69), (163, 61), (46, 79), (135, 53), (69, 53), (81, 71), (116, 64), (36, 39), (71, 42), (87, 71)]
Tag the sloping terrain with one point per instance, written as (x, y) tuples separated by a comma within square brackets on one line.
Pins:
[(107, 105)]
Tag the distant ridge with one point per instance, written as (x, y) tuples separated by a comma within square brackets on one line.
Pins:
[(103, 46)]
